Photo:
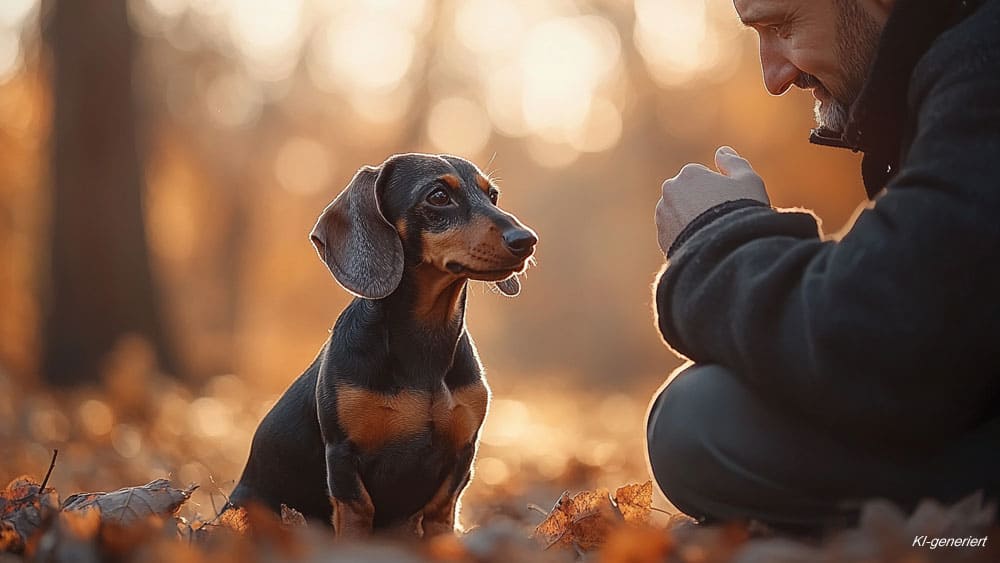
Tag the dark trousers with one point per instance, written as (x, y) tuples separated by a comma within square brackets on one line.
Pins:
[(719, 452)]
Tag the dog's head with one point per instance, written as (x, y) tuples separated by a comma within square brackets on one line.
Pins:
[(416, 209)]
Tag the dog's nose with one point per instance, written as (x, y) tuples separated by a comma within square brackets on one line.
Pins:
[(520, 242)]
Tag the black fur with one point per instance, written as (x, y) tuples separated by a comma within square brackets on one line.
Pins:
[(301, 453)]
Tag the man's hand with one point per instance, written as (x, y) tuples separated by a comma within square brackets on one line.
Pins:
[(697, 189)]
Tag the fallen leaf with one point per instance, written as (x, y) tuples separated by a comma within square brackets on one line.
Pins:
[(291, 517), (23, 509), (635, 502), (236, 519), (581, 522), (132, 505)]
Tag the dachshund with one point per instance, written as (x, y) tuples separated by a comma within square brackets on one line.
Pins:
[(381, 430)]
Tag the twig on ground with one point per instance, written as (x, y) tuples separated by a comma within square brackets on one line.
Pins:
[(45, 481), (538, 509)]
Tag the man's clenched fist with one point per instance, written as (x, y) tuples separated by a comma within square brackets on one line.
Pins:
[(697, 189)]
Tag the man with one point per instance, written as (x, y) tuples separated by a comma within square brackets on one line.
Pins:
[(827, 372)]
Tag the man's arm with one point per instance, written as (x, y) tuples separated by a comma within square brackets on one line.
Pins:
[(896, 321)]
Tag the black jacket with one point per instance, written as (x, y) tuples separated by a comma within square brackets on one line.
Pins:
[(891, 333)]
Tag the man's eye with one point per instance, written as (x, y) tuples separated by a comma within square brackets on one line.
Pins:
[(494, 196), (439, 198)]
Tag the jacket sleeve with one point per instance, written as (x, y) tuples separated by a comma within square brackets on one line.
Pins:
[(897, 321)]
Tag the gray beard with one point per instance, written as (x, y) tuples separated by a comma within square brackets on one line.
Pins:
[(832, 115), (857, 40)]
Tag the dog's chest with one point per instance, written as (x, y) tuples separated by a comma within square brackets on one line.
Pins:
[(372, 419)]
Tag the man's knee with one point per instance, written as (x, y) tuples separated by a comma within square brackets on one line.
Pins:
[(717, 450), (675, 431)]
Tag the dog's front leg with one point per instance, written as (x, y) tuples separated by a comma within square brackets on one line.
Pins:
[(353, 511), (439, 513)]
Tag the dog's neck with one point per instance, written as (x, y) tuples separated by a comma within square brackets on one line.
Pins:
[(436, 300), (425, 316)]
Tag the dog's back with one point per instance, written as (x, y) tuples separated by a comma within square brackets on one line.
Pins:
[(287, 464)]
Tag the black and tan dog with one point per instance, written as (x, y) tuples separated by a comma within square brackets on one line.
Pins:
[(381, 430)]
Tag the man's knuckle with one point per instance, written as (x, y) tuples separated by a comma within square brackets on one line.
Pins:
[(691, 168)]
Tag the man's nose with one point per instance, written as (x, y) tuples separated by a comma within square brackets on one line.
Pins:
[(779, 72)]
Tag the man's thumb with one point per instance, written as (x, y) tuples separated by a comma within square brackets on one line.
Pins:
[(728, 161)]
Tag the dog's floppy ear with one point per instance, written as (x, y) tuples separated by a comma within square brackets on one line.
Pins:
[(510, 286), (359, 246)]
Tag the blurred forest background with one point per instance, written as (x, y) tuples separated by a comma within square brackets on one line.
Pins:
[(163, 161)]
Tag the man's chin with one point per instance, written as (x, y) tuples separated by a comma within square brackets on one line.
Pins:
[(831, 114)]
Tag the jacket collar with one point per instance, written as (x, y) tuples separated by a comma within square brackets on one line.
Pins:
[(876, 120)]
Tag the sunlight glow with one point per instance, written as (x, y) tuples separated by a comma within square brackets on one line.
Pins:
[(507, 422), (302, 166), (601, 130), (211, 417), (367, 48), (673, 38), (267, 32), (563, 62), (233, 100), (10, 54), (126, 440), (13, 13), (96, 417), (458, 125), (489, 27), (168, 8)]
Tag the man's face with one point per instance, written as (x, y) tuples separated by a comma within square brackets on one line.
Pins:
[(821, 45)]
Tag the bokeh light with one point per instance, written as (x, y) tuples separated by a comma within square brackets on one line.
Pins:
[(458, 125), (303, 166)]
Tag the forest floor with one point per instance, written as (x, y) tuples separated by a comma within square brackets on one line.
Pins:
[(560, 476)]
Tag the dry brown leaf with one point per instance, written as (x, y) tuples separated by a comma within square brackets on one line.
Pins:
[(291, 517), (581, 522), (552, 530), (132, 505), (635, 502), (23, 509)]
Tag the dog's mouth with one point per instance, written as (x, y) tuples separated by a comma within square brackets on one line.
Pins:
[(485, 275)]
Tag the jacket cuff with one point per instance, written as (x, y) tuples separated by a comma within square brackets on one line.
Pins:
[(710, 215)]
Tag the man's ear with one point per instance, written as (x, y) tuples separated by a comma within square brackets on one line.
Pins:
[(510, 287), (359, 246)]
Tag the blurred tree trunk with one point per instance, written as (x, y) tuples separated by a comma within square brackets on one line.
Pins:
[(101, 283)]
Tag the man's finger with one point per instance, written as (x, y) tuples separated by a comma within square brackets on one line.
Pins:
[(730, 163)]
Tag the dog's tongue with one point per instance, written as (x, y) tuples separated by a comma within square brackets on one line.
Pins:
[(509, 286)]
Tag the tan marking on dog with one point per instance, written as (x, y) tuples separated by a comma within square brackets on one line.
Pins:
[(371, 419), (484, 184), (455, 244), (353, 518), (453, 181), (402, 228), (451, 244), (438, 295), (439, 512), (459, 413)]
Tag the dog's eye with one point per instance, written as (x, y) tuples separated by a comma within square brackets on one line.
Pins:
[(494, 196), (439, 198)]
